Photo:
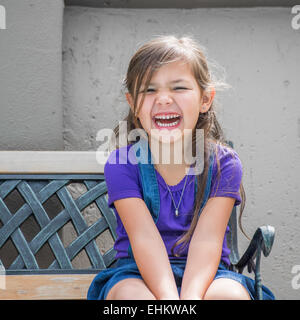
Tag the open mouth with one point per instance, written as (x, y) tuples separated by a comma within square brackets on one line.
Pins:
[(167, 120)]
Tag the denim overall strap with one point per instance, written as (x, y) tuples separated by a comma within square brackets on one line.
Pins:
[(148, 177), (149, 182)]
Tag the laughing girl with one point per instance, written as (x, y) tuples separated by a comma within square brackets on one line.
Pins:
[(172, 219)]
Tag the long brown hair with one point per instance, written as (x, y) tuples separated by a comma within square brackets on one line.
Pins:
[(149, 58)]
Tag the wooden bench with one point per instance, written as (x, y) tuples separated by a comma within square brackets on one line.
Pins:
[(43, 182)]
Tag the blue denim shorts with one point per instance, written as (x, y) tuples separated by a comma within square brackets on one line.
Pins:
[(127, 268)]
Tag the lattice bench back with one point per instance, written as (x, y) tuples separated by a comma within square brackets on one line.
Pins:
[(37, 192)]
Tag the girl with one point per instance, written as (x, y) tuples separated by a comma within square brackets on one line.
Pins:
[(172, 220)]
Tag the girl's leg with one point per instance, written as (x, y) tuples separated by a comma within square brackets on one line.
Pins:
[(130, 289), (226, 289)]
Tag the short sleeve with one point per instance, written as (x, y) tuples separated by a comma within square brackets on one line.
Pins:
[(122, 178), (227, 183)]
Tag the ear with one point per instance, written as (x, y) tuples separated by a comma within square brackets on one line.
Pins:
[(129, 100), (207, 99)]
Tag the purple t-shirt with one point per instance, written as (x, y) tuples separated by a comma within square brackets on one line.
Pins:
[(123, 181)]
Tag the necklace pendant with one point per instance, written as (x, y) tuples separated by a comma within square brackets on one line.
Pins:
[(176, 212)]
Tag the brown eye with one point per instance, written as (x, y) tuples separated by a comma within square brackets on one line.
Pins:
[(180, 88), (150, 90)]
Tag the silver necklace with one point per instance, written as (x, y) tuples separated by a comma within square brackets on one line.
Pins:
[(182, 192)]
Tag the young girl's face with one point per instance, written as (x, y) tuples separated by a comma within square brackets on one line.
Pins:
[(173, 100)]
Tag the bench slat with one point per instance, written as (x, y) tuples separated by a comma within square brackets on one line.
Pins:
[(50, 286), (52, 161)]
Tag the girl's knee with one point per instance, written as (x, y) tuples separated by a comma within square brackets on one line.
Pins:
[(226, 289), (130, 289)]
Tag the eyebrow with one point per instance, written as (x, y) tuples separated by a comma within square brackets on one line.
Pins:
[(173, 81)]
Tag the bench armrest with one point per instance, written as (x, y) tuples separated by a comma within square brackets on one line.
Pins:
[(261, 241)]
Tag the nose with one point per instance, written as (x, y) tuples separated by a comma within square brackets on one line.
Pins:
[(164, 99)]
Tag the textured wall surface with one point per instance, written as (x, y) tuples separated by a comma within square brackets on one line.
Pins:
[(259, 51), (30, 75)]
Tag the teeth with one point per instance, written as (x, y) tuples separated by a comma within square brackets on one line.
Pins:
[(166, 117), (167, 124)]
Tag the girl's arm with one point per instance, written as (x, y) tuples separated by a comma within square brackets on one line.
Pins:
[(148, 248), (206, 247)]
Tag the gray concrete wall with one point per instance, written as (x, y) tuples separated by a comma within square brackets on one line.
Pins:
[(84, 61), (30, 75)]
